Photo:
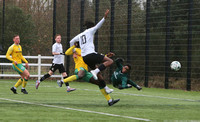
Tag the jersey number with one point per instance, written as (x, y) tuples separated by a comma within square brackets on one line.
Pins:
[(83, 39)]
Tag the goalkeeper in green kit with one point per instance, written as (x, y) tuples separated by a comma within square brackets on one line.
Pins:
[(120, 76)]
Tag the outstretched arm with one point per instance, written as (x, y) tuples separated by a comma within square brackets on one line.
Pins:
[(75, 39), (70, 50), (118, 62), (100, 23)]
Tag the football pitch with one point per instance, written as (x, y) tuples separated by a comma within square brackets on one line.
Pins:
[(51, 103)]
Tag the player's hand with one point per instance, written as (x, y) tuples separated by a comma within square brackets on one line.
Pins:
[(106, 13), (119, 60), (27, 66), (15, 62), (62, 53), (110, 54)]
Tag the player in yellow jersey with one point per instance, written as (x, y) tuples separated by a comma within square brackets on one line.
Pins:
[(81, 72), (15, 50)]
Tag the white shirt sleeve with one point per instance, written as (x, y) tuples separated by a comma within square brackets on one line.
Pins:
[(98, 25), (54, 48), (75, 39)]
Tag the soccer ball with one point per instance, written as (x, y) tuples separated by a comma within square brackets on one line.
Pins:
[(175, 65)]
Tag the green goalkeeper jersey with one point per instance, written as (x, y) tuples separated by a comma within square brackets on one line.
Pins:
[(118, 78)]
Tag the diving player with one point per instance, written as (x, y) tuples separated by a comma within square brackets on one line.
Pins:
[(120, 76)]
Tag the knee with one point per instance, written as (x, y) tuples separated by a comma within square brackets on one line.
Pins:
[(27, 76), (50, 73), (111, 61)]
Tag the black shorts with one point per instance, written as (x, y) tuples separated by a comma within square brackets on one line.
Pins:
[(60, 67), (92, 59)]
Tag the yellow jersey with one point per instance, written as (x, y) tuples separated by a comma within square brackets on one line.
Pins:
[(78, 60), (16, 52)]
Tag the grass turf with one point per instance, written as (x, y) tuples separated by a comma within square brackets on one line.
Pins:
[(51, 103)]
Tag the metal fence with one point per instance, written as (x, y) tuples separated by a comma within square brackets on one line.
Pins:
[(147, 34)]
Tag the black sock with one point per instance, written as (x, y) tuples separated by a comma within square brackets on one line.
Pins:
[(102, 67), (67, 84), (102, 84), (45, 77)]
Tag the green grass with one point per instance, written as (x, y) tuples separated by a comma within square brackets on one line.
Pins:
[(150, 103)]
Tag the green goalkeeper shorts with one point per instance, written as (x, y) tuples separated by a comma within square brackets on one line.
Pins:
[(87, 75), (19, 68)]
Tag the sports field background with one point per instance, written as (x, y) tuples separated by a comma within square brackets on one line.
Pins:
[(148, 34), (52, 103)]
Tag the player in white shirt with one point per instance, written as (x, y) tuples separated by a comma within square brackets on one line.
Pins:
[(57, 63), (90, 57)]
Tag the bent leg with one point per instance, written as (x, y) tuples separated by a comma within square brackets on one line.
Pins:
[(70, 78), (26, 76), (106, 95), (19, 82), (132, 83)]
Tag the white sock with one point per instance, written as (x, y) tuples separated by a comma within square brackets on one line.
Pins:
[(68, 87), (97, 70), (14, 87), (23, 88), (110, 100), (106, 87)]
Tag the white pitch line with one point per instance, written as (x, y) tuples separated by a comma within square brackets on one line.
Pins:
[(141, 95), (81, 110)]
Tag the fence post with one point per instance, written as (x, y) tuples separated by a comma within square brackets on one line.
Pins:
[(112, 31), (167, 44), (189, 48), (39, 66), (82, 15), (3, 28), (147, 44), (68, 33), (96, 21), (129, 30), (54, 21)]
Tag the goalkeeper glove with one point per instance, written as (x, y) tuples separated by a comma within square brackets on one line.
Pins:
[(62, 53), (119, 60)]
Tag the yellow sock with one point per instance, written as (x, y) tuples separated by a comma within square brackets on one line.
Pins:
[(19, 82), (71, 78), (107, 96), (24, 83)]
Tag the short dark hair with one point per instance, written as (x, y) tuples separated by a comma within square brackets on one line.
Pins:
[(129, 66), (88, 24), (77, 44), (15, 35)]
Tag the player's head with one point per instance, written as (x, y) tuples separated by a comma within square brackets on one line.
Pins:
[(16, 39), (77, 44), (126, 68), (58, 38), (88, 24)]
